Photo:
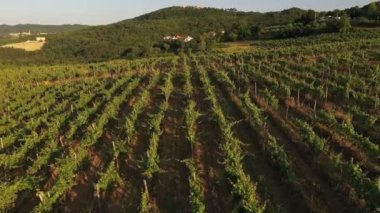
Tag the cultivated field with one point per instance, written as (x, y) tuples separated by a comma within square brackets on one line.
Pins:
[(27, 45), (286, 126)]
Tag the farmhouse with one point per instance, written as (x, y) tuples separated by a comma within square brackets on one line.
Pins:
[(40, 39), (187, 39), (167, 38), (330, 18), (178, 37)]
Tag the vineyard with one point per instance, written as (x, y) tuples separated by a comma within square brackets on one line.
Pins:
[(284, 126)]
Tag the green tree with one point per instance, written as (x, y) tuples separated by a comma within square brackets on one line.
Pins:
[(166, 47), (231, 36), (307, 18), (345, 24), (256, 31), (129, 53), (372, 10), (202, 45)]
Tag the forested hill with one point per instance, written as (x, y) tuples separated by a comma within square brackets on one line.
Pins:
[(138, 37), (141, 33)]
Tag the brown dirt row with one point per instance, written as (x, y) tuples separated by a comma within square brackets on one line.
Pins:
[(130, 163), (207, 154), (170, 188)]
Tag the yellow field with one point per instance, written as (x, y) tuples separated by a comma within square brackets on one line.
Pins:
[(27, 45)]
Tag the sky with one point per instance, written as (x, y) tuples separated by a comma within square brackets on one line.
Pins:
[(98, 12)]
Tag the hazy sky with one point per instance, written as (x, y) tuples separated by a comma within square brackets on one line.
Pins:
[(108, 11)]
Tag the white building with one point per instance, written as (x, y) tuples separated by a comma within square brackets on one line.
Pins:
[(26, 33), (40, 39), (187, 39), (14, 35), (176, 37)]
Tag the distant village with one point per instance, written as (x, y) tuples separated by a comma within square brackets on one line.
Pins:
[(35, 41), (28, 33)]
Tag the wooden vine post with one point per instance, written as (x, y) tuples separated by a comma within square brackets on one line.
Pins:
[(61, 137), (298, 97), (287, 111), (146, 187)]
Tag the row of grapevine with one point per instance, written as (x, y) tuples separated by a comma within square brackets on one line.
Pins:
[(243, 187), (196, 196), (74, 160), (352, 170), (150, 162)]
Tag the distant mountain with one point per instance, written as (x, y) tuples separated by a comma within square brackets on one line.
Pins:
[(6, 29)]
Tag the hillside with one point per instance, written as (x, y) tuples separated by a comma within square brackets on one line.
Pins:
[(143, 32), (139, 36)]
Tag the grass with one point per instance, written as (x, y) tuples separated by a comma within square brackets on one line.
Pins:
[(231, 47)]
